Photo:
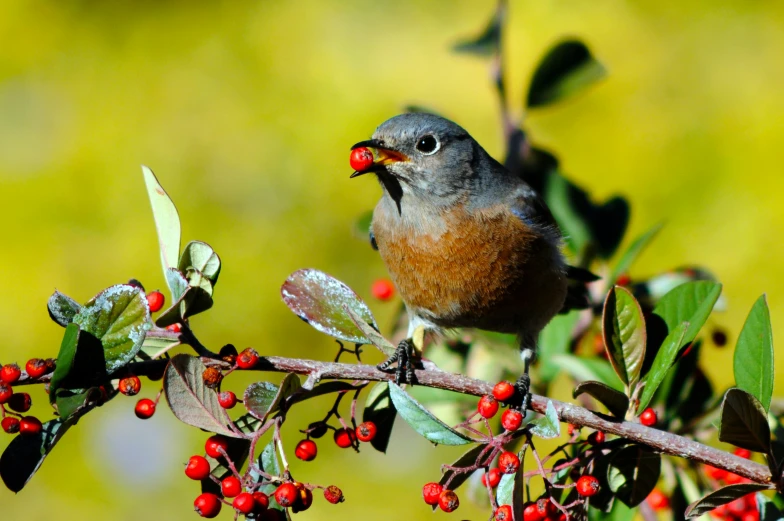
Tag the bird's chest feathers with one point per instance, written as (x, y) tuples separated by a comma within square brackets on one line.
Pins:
[(456, 264)]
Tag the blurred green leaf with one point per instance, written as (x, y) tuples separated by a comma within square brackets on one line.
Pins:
[(582, 369), (201, 257), (25, 454), (615, 401), (567, 68), (744, 422), (753, 360), (423, 421), (380, 410), (767, 510), (558, 195), (722, 496), (319, 300), (190, 400), (555, 340), (119, 317), (263, 398), (690, 302), (488, 42), (618, 512), (665, 358), (633, 473), (623, 328), (62, 308), (372, 336), (547, 426), (167, 221), (632, 252)]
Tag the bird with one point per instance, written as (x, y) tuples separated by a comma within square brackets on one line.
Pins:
[(467, 243)]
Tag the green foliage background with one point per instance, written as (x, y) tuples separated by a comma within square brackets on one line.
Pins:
[(246, 111)]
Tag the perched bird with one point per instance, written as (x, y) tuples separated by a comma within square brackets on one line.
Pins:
[(466, 242)]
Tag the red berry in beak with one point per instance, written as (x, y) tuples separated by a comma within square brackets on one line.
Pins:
[(361, 159)]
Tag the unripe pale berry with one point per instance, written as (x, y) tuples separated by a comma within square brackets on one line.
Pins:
[(587, 486), (361, 158), (10, 373), (306, 450), (198, 468), (648, 417), (207, 505), (286, 494), (366, 431), (508, 462), (431, 492), (155, 299), (145, 408), (511, 419), (503, 391), (448, 501), (227, 399), (487, 406), (231, 486), (215, 444)]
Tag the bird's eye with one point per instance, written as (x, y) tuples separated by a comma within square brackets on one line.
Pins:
[(428, 144)]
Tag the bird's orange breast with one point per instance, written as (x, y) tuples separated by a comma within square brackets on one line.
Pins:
[(483, 269)]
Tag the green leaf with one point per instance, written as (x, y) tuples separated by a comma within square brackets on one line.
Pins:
[(567, 68), (547, 426), (690, 302), (555, 340), (264, 398), (665, 358), (62, 308), (167, 221), (268, 461), (753, 360), (423, 421), (767, 510), (744, 422), (371, 335), (25, 454), (65, 359), (615, 401), (190, 400), (723, 496), (624, 333), (200, 256), (489, 40), (380, 410), (196, 298), (177, 283), (633, 473), (559, 196), (632, 252), (119, 317), (320, 300), (69, 402), (582, 369)]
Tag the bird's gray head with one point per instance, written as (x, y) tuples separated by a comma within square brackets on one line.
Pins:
[(425, 157)]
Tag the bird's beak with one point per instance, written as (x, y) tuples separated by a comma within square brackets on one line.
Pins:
[(382, 156)]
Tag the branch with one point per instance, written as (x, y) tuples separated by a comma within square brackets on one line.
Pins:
[(662, 441)]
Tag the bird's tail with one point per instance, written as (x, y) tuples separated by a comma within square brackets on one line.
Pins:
[(577, 294)]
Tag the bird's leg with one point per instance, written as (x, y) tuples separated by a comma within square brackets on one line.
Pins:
[(404, 356), (523, 384)]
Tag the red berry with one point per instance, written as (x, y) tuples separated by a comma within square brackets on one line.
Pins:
[(431, 492), (5, 392), (715, 473), (572, 428), (530, 512), (130, 386), (511, 419), (345, 438), (492, 477), (10, 373), (35, 367), (742, 453), (544, 507), (737, 507), (448, 501), (247, 359), (198, 468), (361, 158), (10, 425), (175, 328), (261, 501), (503, 513), (30, 426), (244, 503), (503, 391), (155, 299), (304, 499), (597, 438), (587, 486), (366, 431), (145, 408), (487, 406), (286, 494), (733, 479), (227, 399), (231, 486), (306, 450), (750, 516), (508, 462), (207, 505), (215, 444), (658, 500), (383, 289), (648, 417), (20, 402), (333, 494), (623, 280)]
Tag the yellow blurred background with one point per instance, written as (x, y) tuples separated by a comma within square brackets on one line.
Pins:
[(246, 112)]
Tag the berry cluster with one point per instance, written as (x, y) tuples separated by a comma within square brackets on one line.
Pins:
[(14, 405), (741, 509)]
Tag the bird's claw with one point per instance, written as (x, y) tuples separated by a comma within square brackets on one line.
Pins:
[(523, 387), (404, 372)]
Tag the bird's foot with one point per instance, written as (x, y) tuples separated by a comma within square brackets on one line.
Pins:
[(406, 362), (523, 394)]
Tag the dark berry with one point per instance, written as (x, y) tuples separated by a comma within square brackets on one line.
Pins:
[(10, 425), (228, 353), (648, 417), (30, 426), (20, 402), (333, 494), (35, 367), (211, 377), (431, 492), (227, 399), (130, 386), (317, 429), (247, 359), (448, 501), (719, 338), (155, 299), (145, 408), (366, 431), (231, 486), (511, 419), (492, 477), (383, 289), (503, 391), (361, 158), (345, 438), (587, 486), (508, 462), (207, 505), (198, 468), (10, 373), (215, 444), (286, 494), (306, 450), (487, 406)]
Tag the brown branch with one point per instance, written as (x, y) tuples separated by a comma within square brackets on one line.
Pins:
[(662, 441)]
